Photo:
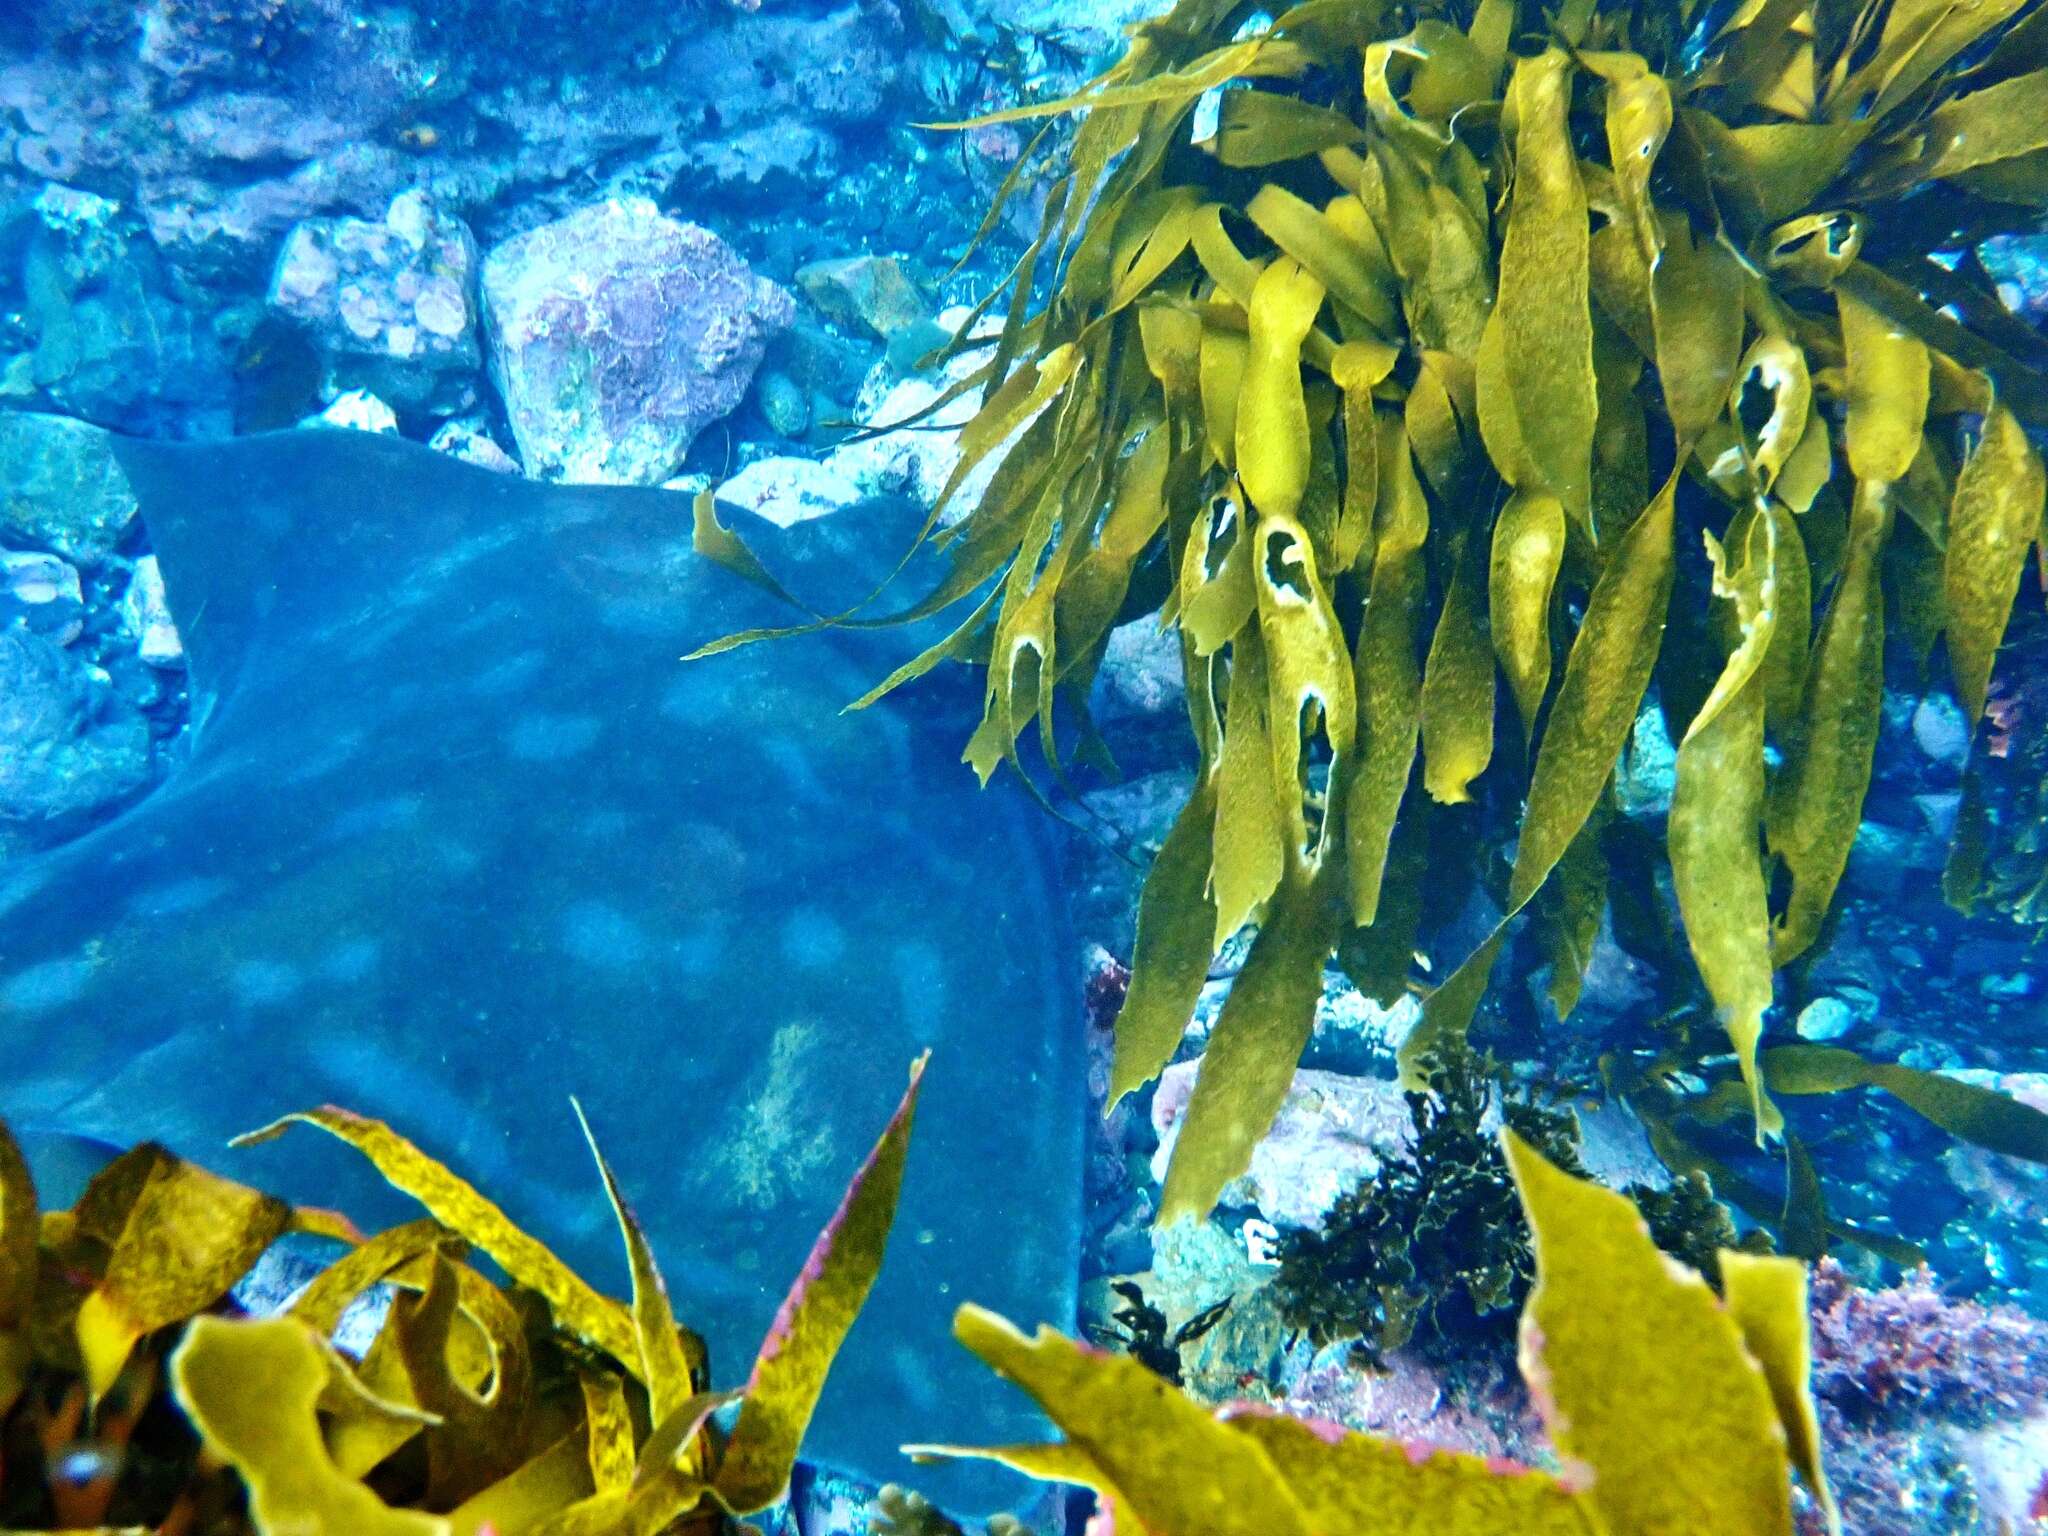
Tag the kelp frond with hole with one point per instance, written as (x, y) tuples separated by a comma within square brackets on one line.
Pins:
[(1393, 354), (534, 1408)]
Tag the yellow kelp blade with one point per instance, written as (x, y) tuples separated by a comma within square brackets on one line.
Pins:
[(1641, 1371), (1715, 828), (521, 1500), (19, 1226), (1181, 1472), (1528, 550), (1365, 1483), (1544, 306), (1605, 677), (721, 546), (1057, 1462), (1996, 514), (1170, 956), (479, 1437), (607, 1443), (250, 1389), (189, 1236), (664, 1366), (789, 1372), (1980, 1116), (328, 1294), (1816, 803), (646, 1509), (1387, 677), (1457, 681), (1766, 1296), (1272, 420), (1250, 841), (1696, 312), (1254, 1048), (1308, 673), (1888, 386), (457, 1205)]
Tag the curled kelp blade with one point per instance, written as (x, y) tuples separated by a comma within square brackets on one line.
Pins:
[(665, 1365), (250, 1389), (458, 1205), (186, 1237)]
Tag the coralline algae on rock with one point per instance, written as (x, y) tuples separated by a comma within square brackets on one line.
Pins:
[(619, 334), (389, 304)]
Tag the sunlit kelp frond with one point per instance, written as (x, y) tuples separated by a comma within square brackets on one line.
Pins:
[(1391, 353), (1669, 1409), (537, 1407)]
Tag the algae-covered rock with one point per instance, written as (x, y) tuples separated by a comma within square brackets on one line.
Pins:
[(617, 335), (60, 487), (112, 335), (872, 291)]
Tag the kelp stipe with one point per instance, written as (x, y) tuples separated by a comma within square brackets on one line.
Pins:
[(1670, 1409), (1400, 373), (537, 1406)]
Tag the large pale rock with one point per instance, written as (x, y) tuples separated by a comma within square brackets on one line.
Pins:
[(1141, 672), (617, 335), (389, 304), (917, 460)]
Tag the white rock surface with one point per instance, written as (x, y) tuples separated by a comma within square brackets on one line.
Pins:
[(470, 443), (147, 616), (356, 410), (917, 461), (790, 490), (1332, 1132)]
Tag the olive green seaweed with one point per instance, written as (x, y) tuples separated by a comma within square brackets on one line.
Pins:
[(1420, 372)]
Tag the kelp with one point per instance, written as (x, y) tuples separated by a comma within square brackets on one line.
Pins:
[(1447, 333), (1669, 1410), (533, 1404)]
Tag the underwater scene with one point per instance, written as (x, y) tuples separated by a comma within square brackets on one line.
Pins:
[(1024, 767)]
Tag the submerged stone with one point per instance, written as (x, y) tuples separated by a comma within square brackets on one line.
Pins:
[(618, 334), (60, 487), (459, 836), (389, 304)]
